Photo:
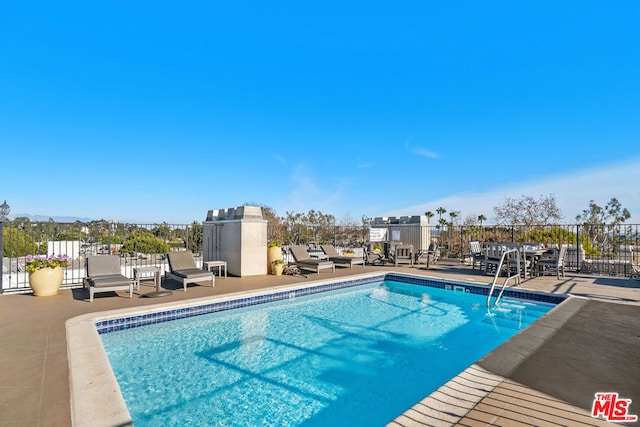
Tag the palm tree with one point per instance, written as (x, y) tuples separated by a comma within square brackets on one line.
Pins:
[(429, 215), (440, 212), (482, 218), (453, 215)]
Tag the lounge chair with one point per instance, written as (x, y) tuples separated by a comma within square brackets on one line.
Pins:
[(182, 267), (104, 275), (303, 260), (334, 256)]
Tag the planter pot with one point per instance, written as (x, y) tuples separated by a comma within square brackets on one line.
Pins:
[(46, 281), (277, 269), (273, 253)]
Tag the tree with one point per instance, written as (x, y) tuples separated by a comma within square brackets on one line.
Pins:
[(429, 215), (440, 211), (481, 218), (602, 224), (612, 213), (270, 215), (453, 215), (528, 211), (17, 243), (195, 238), (313, 227), (22, 223), (145, 242)]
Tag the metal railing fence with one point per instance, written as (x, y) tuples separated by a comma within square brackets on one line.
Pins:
[(147, 244), (137, 245), (590, 245)]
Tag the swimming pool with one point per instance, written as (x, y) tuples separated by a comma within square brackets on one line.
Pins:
[(295, 359)]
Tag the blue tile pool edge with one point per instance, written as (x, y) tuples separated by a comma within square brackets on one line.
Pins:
[(148, 318)]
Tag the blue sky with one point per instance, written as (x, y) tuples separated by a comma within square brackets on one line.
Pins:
[(159, 111)]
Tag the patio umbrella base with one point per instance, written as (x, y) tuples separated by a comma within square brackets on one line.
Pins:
[(157, 294)]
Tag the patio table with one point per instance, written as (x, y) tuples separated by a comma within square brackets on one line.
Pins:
[(138, 271), (533, 255)]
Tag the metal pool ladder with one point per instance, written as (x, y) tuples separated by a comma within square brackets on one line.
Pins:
[(498, 269)]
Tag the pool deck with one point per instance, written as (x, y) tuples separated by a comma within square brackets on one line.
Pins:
[(547, 375)]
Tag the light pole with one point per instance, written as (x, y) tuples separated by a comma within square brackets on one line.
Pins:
[(4, 210), (111, 227)]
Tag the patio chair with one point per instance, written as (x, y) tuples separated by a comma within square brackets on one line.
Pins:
[(519, 264), (428, 257), (475, 254), (626, 258), (303, 260), (182, 267), (492, 258), (553, 264), (334, 256), (402, 254), (374, 257), (104, 275)]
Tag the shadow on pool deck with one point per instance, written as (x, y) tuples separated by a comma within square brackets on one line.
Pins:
[(594, 350)]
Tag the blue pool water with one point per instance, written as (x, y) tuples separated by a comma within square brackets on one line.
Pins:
[(357, 356)]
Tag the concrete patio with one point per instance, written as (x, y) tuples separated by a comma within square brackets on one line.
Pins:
[(594, 348)]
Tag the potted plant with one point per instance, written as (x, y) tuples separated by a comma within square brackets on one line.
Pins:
[(45, 273), (274, 252), (277, 267)]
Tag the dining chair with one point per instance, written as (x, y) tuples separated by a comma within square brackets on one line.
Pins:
[(553, 264)]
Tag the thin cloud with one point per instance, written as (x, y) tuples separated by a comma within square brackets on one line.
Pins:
[(572, 192), (303, 189), (425, 153)]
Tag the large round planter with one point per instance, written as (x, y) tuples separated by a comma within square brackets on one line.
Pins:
[(273, 253), (46, 281)]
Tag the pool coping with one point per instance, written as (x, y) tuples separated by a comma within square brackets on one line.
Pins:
[(95, 394)]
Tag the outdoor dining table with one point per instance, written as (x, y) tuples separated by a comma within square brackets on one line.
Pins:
[(533, 255)]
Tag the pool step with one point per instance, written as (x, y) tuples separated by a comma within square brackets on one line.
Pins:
[(529, 306), (513, 314)]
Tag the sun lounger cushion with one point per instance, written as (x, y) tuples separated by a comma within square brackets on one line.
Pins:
[(109, 280), (315, 265), (191, 273)]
